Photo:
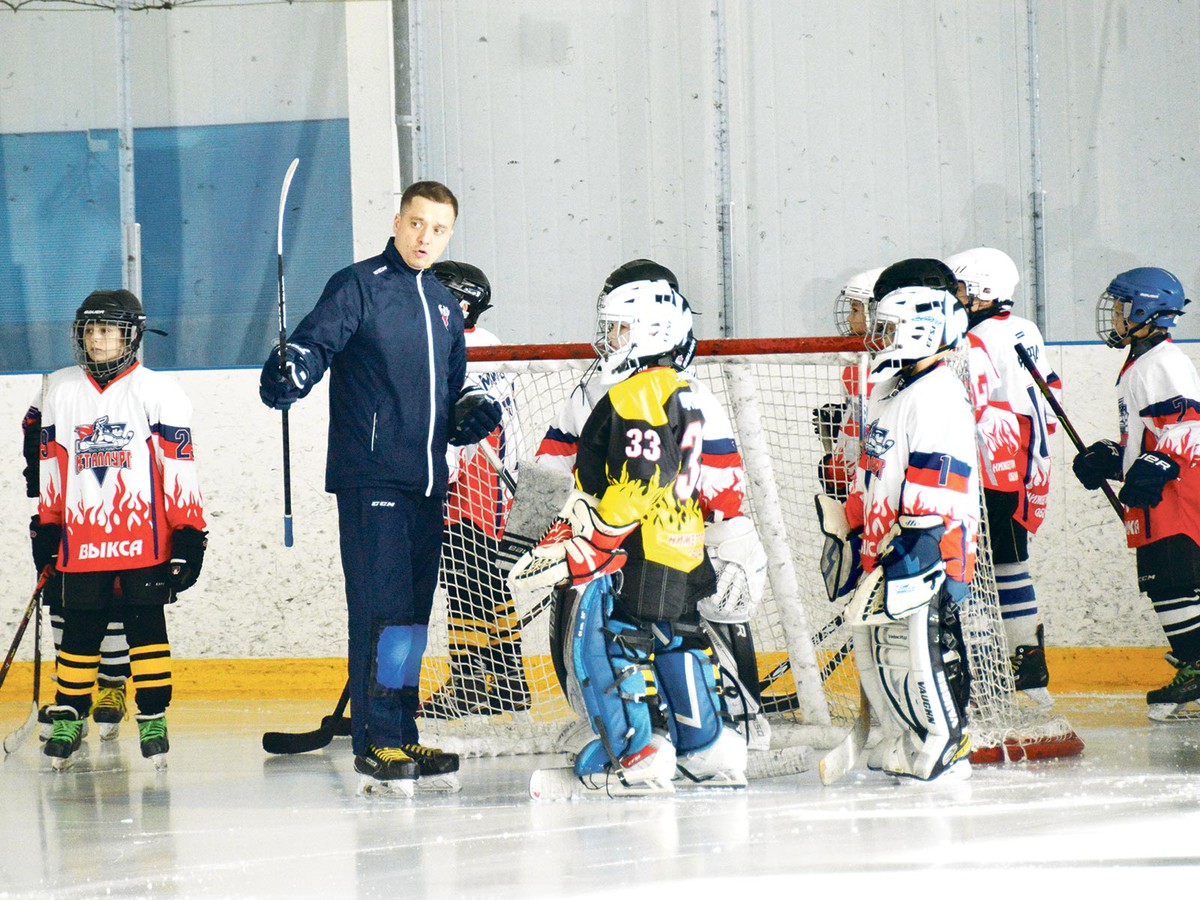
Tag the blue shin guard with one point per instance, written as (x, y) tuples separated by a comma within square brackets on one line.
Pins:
[(688, 681), (611, 659)]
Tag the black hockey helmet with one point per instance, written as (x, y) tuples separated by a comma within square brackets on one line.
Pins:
[(639, 270), (931, 273), (468, 284), (118, 309)]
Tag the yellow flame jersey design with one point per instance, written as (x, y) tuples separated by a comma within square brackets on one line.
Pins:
[(640, 454)]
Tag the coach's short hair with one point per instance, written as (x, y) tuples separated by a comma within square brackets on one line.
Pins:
[(430, 190)]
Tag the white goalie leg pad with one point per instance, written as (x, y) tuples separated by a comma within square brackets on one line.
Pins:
[(907, 686)]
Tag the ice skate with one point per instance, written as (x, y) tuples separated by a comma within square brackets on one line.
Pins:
[(1178, 701), (152, 732), (110, 709), (463, 694), (439, 769), (46, 724), (1030, 675), (644, 773), (721, 764), (65, 737), (386, 771)]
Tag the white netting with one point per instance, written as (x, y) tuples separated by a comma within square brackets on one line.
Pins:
[(489, 683)]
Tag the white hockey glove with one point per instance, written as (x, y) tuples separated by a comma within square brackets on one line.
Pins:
[(740, 562), (841, 556)]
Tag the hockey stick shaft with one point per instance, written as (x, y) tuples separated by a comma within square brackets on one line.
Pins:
[(287, 454), (1029, 364), (493, 458), (31, 607), (17, 738), (282, 742)]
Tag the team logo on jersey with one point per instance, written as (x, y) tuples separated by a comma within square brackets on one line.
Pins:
[(445, 311), (101, 446), (876, 445)]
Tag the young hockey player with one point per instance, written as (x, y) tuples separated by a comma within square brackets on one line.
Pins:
[(916, 499), (1159, 459), (486, 672), (1017, 481), (119, 517), (392, 338), (109, 707), (727, 615), (642, 659)]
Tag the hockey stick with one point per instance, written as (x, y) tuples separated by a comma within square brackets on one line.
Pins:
[(287, 457), (1029, 364), (17, 738), (29, 610), (838, 762), (283, 742)]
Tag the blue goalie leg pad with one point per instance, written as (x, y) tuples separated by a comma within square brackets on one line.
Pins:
[(688, 681), (612, 674)]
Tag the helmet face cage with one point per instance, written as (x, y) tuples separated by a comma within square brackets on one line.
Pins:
[(909, 325), (1143, 296), (102, 329), (640, 324), (852, 303)]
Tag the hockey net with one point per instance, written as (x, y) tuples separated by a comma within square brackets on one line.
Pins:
[(489, 686)]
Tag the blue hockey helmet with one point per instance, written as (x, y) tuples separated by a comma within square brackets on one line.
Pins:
[(1142, 296)]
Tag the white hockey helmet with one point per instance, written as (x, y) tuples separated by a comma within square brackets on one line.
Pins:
[(988, 273), (911, 324), (641, 324), (858, 290)]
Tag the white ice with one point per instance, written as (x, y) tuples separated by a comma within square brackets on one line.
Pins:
[(226, 819)]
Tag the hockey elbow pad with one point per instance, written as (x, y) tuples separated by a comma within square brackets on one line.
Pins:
[(1099, 463), (913, 564), (1146, 478), (740, 562), (476, 415)]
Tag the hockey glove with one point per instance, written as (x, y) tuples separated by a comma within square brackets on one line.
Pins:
[(1097, 464), (539, 570), (31, 427), (834, 478), (279, 387), (187, 557), (1146, 478), (841, 554), (827, 421), (45, 541), (740, 562), (476, 415), (589, 557), (913, 564)]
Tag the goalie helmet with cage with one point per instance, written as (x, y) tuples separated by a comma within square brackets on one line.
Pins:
[(909, 325), (1137, 298), (468, 284), (107, 332), (989, 274), (642, 324)]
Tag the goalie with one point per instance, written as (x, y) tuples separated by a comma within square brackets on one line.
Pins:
[(916, 498), (631, 546)]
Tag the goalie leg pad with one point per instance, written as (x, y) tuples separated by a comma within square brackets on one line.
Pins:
[(742, 707), (612, 661), (688, 677)]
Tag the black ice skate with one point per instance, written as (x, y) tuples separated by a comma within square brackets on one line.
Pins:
[(110, 709), (439, 769), (65, 736), (1029, 670), (1177, 701), (387, 770), (152, 731)]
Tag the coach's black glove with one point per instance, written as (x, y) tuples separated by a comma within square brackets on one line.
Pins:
[(1097, 464), (45, 540), (187, 557), (1146, 478), (827, 421), (280, 388), (476, 415)]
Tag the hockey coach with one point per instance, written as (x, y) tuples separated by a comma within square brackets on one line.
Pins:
[(391, 337)]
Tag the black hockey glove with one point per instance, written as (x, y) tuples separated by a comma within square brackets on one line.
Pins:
[(31, 426), (1146, 478), (187, 557), (45, 540), (1099, 463), (280, 388), (476, 415), (827, 420)]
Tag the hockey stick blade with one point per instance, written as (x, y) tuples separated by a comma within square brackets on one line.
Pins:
[(839, 761), (285, 743), (13, 741)]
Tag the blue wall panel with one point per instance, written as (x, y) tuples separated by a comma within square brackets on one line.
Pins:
[(207, 201)]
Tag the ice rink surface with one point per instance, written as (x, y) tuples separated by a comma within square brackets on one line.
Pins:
[(227, 820)]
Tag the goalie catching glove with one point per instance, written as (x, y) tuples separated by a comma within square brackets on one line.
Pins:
[(740, 562)]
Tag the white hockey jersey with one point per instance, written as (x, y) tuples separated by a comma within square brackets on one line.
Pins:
[(1036, 421), (476, 492), (117, 469), (1160, 410), (919, 458), (722, 478), (995, 423)]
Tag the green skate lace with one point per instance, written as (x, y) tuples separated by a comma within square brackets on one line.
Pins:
[(391, 754), (112, 698), (1186, 673), (152, 729), (66, 730)]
